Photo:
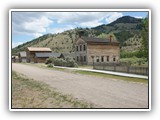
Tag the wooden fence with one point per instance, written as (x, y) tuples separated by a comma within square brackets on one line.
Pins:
[(122, 68)]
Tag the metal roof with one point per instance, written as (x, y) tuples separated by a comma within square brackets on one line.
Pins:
[(23, 54), (39, 49), (97, 40), (45, 55)]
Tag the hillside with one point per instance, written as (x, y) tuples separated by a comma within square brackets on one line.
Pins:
[(122, 29)]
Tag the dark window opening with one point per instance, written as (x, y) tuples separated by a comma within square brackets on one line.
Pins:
[(107, 58), (97, 59), (84, 47), (77, 48), (102, 58), (84, 58), (80, 47), (77, 58), (114, 59)]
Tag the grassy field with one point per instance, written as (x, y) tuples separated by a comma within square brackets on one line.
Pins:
[(28, 93), (129, 79)]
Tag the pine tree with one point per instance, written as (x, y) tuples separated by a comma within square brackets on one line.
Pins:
[(145, 37)]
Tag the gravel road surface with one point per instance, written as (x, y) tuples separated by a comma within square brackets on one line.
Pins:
[(103, 92)]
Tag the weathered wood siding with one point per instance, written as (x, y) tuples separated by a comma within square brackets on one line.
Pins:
[(103, 50), (40, 60), (31, 55)]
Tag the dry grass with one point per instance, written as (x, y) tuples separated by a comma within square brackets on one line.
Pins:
[(27, 93)]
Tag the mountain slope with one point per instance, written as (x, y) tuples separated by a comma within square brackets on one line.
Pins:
[(123, 28)]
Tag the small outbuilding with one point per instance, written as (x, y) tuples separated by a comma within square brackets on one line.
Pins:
[(13, 59), (22, 57)]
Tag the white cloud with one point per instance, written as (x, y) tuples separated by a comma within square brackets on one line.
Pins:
[(60, 29), (91, 24), (138, 17), (38, 23), (28, 23), (113, 16), (37, 35)]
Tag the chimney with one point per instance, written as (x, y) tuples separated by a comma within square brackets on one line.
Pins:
[(110, 38), (81, 33)]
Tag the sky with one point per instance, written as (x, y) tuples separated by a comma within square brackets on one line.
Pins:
[(27, 26)]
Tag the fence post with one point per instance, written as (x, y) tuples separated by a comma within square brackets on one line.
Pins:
[(103, 66), (114, 67), (128, 69), (147, 71)]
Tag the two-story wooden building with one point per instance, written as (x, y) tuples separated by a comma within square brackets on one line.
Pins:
[(89, 50)]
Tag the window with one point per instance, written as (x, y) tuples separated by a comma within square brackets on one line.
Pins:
[(80, 47), (84, 59), (102, 58), (77, 59), (84, 47), (97, 59), (114, 59), (77, 48), (107, 58)]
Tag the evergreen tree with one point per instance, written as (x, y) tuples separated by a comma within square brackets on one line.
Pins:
[(145, 37)]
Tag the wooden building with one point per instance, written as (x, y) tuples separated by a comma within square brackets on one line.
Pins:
[(31, 53), (22, 57), (91, 50), (13, 59), (41, 57)]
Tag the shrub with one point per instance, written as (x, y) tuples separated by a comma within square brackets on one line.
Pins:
[(50, 65), (49, 60), (68, 62)]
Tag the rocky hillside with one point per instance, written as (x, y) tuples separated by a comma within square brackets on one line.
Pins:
[(124, 29)]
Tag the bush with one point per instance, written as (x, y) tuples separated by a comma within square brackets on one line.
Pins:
[(49, 60), (68, 62), (50, 65)]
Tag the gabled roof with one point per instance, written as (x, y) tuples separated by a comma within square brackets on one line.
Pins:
[(23, 54), (39, 49), (97, 40), (45, 55)]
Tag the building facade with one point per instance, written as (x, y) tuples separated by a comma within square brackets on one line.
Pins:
[(22, 57), (41, 57), (31, 53), (90, 50)]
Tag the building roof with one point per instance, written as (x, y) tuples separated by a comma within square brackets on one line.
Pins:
[(23, 54), (39, 49), (97, 40), (45, 55)]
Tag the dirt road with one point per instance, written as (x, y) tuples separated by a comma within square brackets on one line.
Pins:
[(105, 93)]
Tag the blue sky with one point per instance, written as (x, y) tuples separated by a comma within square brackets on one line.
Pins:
[(29, 25)]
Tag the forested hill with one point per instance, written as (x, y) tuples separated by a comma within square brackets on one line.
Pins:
[(123, 29)]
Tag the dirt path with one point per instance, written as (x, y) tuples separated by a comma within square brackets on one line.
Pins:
[(106, 93)]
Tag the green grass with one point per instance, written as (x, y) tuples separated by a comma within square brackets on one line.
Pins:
[(129, 79), (134, 61), (28, 93)]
